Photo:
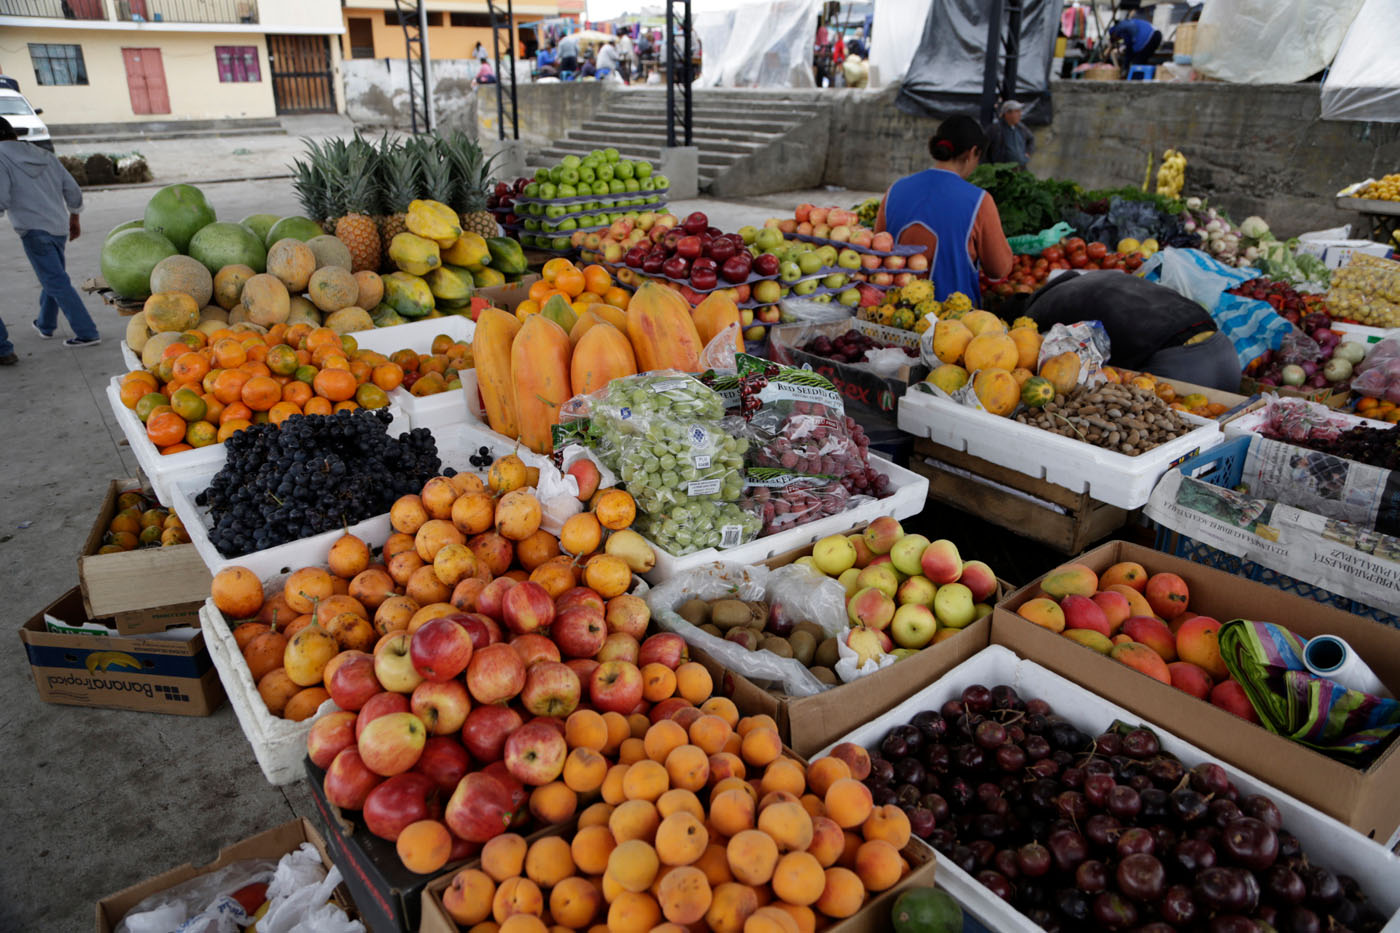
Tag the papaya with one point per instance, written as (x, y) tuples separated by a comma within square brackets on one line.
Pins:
[(1062, 370), (1027, 342), (602, 355), (491, 350), (612, 314), (558, 310), (997, 390), (539, 368), (469, 250), (488, 278), (662, 331), (385, 316), (713, 315), (506, 255), (991, 350), (433, 220), (451, 284), (408, 294), (414, 254)]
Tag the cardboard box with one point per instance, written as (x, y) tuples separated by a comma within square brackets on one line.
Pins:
[(146, 590), (272, 844), (389, 896), (506, 297), (109, 671), (1363, 799), (881, 393)]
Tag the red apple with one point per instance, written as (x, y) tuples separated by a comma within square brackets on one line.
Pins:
[(535, 648), (666, 648), (393, 663), (527, 607), (666, 707), (443, 707), (616, 686), (551, 689), (353, 682), (577, 596), (619, 646), (515, 791), (535, 753), (461, 848), (628, 614), (553, 722), (440, 649), (391, 744), (585, 472), (495, 674), (329, 736), (488, 601), (399, 801), (583, 667), (381, 704), (482, 628), (579, 631), (479, 809), (484, 733), (348, 781), (445, 761)]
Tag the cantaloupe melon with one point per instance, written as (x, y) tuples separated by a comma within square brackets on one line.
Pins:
[(293, 262), (349, 320), (303, 311), (228, 285), (332, 288), (183, 274), (266, 300), (371, 288), (137, 333), (330, 251), (168, 312), (155, 348)]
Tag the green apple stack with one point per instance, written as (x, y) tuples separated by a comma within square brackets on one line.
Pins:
[(584, 194)]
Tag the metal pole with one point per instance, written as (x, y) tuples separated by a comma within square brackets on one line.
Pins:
[(989, 64), (428, 120), (514, 107), (1013, 49), (670, 78), (496, 52), (685, 72)]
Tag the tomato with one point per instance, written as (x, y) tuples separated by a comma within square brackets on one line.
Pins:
[(1078, 260), (1059, 264), (1074, 243), (1052, 254), (1096, 250), (1133, 261)]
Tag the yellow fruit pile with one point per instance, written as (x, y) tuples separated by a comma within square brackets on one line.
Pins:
[(1386, 188)]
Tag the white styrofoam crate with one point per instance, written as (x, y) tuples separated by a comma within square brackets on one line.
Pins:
[(908, 496), (131, 358), (429, 411), (162, 469), (278, 744), (1253, 422), (1328, 842), (1363, 334), (1108, 476)]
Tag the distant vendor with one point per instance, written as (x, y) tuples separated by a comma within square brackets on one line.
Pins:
[(1150, 328), (1138, 41), (954, 221), (1008, 140)]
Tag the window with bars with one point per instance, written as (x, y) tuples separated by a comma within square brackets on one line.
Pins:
[(56, 63), (237, 63), (477, 20), (392, 18)]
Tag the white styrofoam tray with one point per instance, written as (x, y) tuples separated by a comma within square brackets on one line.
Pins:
[(429, 411), (908, 497), (1253, 422), (455, 443), (1327, 842), (278, 744), (162, 469), (131, 358), (1108, 476)]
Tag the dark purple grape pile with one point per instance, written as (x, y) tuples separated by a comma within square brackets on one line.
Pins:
[(1375, 446), (1108, 833), (849, 347)]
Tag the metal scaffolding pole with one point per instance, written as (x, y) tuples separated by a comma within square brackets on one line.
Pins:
[(678, 47), (413, 18), (503, 21)]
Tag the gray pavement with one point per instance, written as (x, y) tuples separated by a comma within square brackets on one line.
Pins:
[(99, 800)]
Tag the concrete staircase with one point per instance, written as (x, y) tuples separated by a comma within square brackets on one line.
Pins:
[(736, 131)]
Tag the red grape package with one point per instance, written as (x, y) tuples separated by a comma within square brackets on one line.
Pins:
[(785, 499), (795, 420)]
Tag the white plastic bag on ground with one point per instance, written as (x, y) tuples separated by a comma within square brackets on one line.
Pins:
[(300, 893), (201, 904)]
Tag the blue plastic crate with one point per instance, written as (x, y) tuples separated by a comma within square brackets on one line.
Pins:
[(1223, 465)]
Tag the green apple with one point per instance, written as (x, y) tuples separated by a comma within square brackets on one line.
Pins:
[(748, 233), (631, 184), (827, 253), (662, 182), (611, 154), (768, 239), (767, 292), (809, 263), (953, 606), (570, 161), (647, 184), (568, 175), (532, 190), (604, 172), (555, 211), (624, 169), (805, 287), (560, 243), (531, 224), (597, 154), (789, 272), (835, 280), (549, 191), (541, 174), (848, 259), (823, 299), (567, 191), (913, 626), (616, 186), (642, 169), (556, 174), (586, 173), (850, 297)]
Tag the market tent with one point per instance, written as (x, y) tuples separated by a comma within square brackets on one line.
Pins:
[(1287, 40), (1364, 80), (758, 44), (946, 75), (892, 40)]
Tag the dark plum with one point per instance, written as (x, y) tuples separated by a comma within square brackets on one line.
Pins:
[(962, 857), (1045, 767), (1102, 830), (1036, 747), (1099, 766), (1073, 904), (1140, 743), (883, 794), (1072, 778), (958, 792), (1062, 758), (1134, 840), (1033, 859), (977, 698), (1177, 905), (1166, 773), (987, 791), (1262, 809), (1097, 788), (1324, 890), (1068, 848), (881, 771), (1141, 877), (983, 850), (1225, 890), (1066, 737), (1250, 843), (937, 758), (1113, 911), (1222, 811), (1110, 744), (1124, 803), (1071, 805), (1011, 758), (909, 771), (951, 710), (1005, 862), (1232, 923), (922, 823), (1156, 926), (931, 725), (893, 746), (990, 826), (1155, 803), (1192, 855), (1015, 734), (998, 805), (1163, 836), (1037, 707), (969, 759), (1284, 887), (907, 795), (912, 737), (1091, 877), (1301, 920), (936, 805), (1288, 846), (1004, 696), (1209, 778), (1139, 782)]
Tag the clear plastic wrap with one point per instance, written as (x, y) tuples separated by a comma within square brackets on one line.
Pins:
[(1297, 347), (1364, 80), (1380, 381), (1367, 289), (697, 524), (1299, 419), (785, 498), (1288, 39), (201, 904), (797, 589)]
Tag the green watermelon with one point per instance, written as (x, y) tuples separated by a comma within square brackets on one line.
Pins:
[(298, 228), (178, 212), (128, 258), (926, 910), (261, 224), (228, 244), (129, 225)]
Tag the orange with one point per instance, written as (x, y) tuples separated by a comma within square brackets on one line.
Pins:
[(257, 355), (322, 337), (388, 376), (597, 279), (201, 434), (260, 393), (282, 360), (617, 297), (406, 360), (570, 281), (370, 395), (140, 375), (165, 429), (317, 406), (190, 367), (174, 449), (133, 390), (228, 388), (552, 269), (213, 408), (298, 393), (344, 406), (231, 427), (236, 411), (334, 384), (188, 405), (282, 411)]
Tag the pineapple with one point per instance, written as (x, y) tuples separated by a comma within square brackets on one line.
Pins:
[(472, 176), (398, 183), (355, 205)]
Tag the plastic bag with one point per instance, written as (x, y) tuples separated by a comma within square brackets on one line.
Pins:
[(200, 905), (1297, 347), (1035, 242), (1382, 381), (697, 524), (1368, 290), (1299, 419), (300, 892), (785, 499), (886, 361), (796, 593), (718, 581), (849, 668), (719, 353), (807, 311), (1086, 339)]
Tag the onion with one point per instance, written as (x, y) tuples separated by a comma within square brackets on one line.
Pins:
[(1318, 382), (1267, 381), (1294, 375), (1310, 367), (1215, 226), (1338, 369), (1189, 226)]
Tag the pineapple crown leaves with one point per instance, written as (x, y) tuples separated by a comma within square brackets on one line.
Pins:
[(398, 176), (434, 171), (355, 186)]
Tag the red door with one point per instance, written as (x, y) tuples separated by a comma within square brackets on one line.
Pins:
[(145, 79)]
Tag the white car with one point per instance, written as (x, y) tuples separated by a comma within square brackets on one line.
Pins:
[(24, 118)]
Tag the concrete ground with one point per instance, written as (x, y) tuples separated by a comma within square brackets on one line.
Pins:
[(99, 800)]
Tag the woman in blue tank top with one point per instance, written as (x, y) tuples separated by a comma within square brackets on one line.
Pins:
[(955, 222)]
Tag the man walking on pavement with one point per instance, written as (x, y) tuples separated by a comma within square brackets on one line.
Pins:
[(43, 201)]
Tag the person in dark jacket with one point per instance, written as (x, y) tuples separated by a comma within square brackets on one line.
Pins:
[(1150, 327), (1138, 40), (1008, 140)]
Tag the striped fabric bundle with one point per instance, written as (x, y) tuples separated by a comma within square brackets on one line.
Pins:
[(1267, 660)]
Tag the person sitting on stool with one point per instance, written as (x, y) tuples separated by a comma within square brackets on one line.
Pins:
[(1139, 41)]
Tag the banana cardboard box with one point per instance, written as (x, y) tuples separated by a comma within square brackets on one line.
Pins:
[(78, 661)]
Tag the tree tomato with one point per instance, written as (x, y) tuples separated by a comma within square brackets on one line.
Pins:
[(1096, 250), (1052, 254)]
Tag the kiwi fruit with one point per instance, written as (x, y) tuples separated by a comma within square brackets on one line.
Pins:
[(742, 635), (711, 629), (727, 613), (826, 654), (826, 675), (803, 645), (694, 611), (760, 610), (812, 629), (778, 645)]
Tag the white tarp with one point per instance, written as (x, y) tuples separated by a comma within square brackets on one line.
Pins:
[(758, 44), (1270, 41), (1364, 81), (895, 34)]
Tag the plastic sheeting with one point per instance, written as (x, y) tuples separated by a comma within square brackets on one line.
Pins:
[(1364, 82), (893, 40), (945, 77), (758, 44), (1288, 40)]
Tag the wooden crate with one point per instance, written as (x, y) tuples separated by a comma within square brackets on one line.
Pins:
[(1053, 515)]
